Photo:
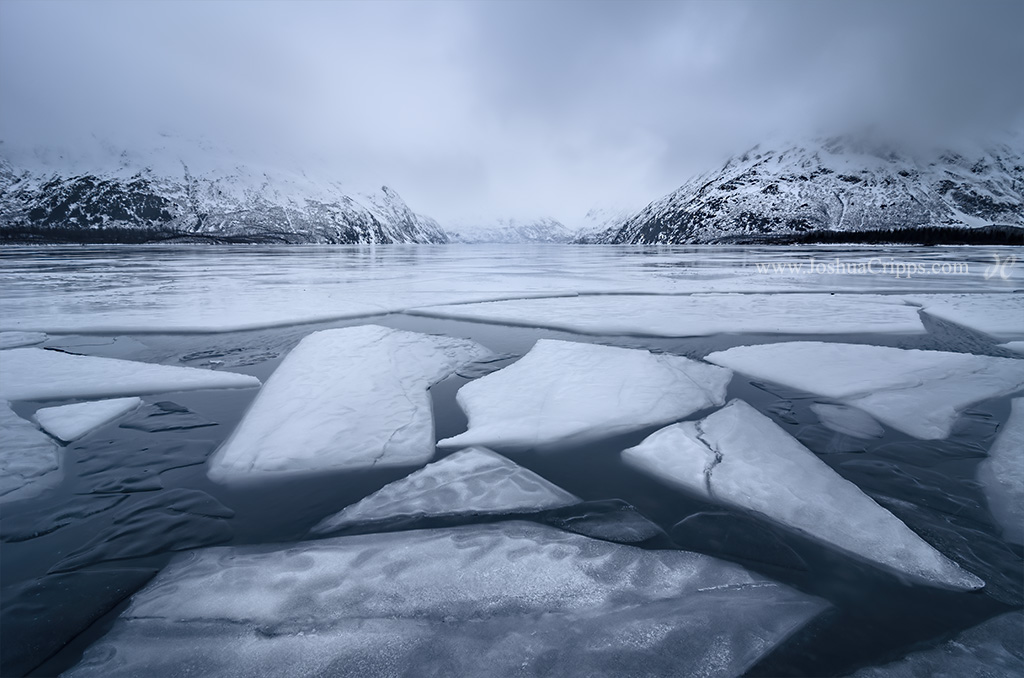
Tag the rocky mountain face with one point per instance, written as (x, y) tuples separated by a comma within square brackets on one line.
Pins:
[(837, 188), (541, 230), (192, 196)]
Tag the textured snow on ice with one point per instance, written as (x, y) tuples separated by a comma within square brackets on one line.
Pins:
[(848, 420), (1002, 475), (503, 599), (71, 422), (997, 315), (29, 461), (39, 374), (992, 649), (472, 481), (565, 391), (918, 392), (697, 314), (739, 457), (345, 398), (16, 339)]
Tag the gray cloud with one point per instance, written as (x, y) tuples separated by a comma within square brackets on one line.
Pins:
[(508, 107)]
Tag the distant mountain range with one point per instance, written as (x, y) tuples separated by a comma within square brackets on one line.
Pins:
[(839, 189)]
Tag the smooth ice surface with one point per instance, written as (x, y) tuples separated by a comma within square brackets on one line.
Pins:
[(997, 315), (29, 461), (470, 481), (564, 391), (506, 599), (71, 422), (993, 649), (739, 457), (698, 314), (1002, 475), (918, 392), (38, 374), (346, 398), (848, 420), (16, 339)]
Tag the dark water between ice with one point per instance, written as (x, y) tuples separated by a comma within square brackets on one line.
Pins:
[(128, 491)]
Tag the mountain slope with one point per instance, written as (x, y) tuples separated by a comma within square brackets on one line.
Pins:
[(837, 185), (193, 193), (541, 230)]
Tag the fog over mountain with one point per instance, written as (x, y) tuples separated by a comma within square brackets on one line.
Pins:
[(504, 109)]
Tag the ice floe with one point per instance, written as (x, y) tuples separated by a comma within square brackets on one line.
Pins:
[(39, 374), (741, 458), (506, 599), (29, 459), (848, 420), (71, 422), (997, 315), (473, 481), (918, 392), (697, 314), (346, 398), (573, 392), (992, 649), (1002, 475), (15, 339)]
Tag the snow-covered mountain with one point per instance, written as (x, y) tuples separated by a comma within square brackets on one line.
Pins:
[(540, 230), (598, 221), (180, 190), (835, 185)]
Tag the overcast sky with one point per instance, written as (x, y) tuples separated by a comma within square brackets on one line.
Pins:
[(519, 108)]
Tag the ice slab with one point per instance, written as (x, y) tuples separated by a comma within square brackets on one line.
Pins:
[(29, 459), (992, 649), (346, 398), (564, 391), (741, 458), (505, 599), (15, 339), (39, 374), (473, 481), (918, 392), (1002, 475), (848, 420), (997, 315), (71, 422), (697, 314)]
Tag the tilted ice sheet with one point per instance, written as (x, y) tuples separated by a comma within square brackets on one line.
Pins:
[(470, 481), (739, 457), (505, 599), (16, 339), (993, 649), (564, 391), (997, 315), (29, 459), (345, 398), (918, 392), (697, 314), (71, 422), (1002, 475), (847, 420), (38, 374)]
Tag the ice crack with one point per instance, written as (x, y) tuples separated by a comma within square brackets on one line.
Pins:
[(712, 463)]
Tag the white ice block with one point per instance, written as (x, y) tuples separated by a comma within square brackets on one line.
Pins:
[(1002, 475), (29, 459), (71, 422)]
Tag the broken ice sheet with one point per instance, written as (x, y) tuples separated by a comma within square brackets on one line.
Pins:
[(473, 481), (697, 314), (29, 459), (998, 315), (741, 458), (71, 422), (165, 416), (502, 599), (1002, 475), (992, 649), (918, 392), (40, 374), (346, 398), (564, 391), (15, 339)]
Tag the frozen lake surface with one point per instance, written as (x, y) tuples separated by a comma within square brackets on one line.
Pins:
[(132, 498)]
